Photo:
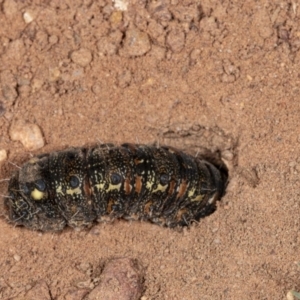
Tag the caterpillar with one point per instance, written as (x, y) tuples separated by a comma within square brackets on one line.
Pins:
[(78, 186)]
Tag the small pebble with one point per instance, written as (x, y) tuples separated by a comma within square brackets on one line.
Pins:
[(3, 155), (53, 39), (106, 47), (124, 79), (41, 40), (116, 18), (84, 267), (28, 17), (121, 4), (54, 74), (250, 78), (292, 164), (195, 55), (227, 78), (28, 287), (176, 39), (136, 43), (217, 241), (289, 295), (160, 11), (97, 89), (186, 14), (17, 257), (29, 134), (82, 57), (36, 84), (10, 93), (24, 90), (227, 154)]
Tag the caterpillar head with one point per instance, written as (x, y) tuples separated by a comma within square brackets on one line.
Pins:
[(29, 197)]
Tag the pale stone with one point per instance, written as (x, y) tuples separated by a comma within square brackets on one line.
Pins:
[(3, 155), (30, 135)]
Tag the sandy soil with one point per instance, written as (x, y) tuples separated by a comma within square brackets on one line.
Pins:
[(222, 75)]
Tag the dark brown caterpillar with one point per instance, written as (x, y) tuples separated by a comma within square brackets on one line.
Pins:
[(80, 185)]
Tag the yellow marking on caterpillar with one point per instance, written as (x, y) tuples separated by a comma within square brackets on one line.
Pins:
[(100, 186), (114, 187), (197, 198), (59, 190), (150, 181), (161, 188), (149, 184), (191, 192), (76, 191), (37, 195)]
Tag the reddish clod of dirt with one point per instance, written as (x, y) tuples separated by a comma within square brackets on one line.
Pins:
[(120, 279)]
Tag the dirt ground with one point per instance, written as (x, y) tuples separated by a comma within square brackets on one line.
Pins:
[(209, 74)]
